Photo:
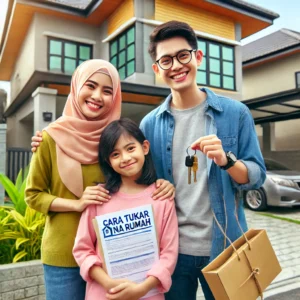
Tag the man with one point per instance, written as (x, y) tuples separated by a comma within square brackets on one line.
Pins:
[(229, 157)]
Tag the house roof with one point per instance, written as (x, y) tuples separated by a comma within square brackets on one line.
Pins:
[(252, 7), (81, 4), (273, 43), (280, 106)]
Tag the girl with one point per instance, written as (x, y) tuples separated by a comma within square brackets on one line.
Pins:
[(62, 176), (129, 172)]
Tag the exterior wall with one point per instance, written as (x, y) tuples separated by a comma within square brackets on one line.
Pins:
[(2, 158), (287, 135), (270, 78), (20, 126), (69, 29), (24, 66), (22, 280), (167, 10), (121, 15)]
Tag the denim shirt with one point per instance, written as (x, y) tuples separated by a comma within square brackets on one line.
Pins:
[(232, 122)]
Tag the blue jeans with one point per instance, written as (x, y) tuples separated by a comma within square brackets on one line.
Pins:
[(186, 276), (63, 283)]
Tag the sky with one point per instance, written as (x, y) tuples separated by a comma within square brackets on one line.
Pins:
[(287, 9)]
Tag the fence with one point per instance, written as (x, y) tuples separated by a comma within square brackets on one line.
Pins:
[(17, 158)]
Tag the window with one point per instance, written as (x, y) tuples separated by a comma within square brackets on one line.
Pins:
[(217, 68), (65, 56), (297, 80), (122, 53)]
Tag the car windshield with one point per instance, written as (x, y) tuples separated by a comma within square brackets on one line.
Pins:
[(272, 165)]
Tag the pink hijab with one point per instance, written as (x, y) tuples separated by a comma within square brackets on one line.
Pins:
[(77, 138)]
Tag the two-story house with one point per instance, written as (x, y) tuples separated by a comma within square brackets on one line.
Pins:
[(271, 89), (44, 41)]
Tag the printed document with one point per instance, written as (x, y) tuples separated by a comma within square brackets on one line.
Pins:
[(129, 243)]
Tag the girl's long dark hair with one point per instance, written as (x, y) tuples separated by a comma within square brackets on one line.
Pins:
[(108, 140)]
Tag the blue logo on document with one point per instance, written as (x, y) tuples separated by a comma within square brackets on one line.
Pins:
[(107, 231)]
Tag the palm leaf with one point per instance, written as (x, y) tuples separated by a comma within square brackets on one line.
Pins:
[(20, 241), (20, 219), (10, 188), (19, 256), (19, 180)]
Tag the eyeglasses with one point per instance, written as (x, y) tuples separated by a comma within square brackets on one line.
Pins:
[(183, 56)]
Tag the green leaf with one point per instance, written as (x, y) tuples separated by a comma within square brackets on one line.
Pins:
[(9, 188), (19, 256), (20, 241), (19, 218), (19, 180)]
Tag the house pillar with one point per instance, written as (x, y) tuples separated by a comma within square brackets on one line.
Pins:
[(44, 107), (2, 158), (268, 137)]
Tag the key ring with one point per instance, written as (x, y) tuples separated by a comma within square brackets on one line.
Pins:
[(187, 151)]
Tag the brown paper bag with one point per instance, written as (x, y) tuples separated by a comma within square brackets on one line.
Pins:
[(244, 269)]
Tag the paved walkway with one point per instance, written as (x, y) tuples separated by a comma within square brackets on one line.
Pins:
[(285, 238)]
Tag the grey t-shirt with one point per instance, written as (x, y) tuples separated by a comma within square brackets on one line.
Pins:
[(192, 200)]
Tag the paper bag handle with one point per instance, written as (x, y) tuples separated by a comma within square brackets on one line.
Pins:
[(222, 230)]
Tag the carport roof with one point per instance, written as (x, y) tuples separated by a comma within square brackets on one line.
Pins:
[(280, 106), (276, 107)]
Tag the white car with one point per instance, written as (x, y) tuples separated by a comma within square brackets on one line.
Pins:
[(281, 188)]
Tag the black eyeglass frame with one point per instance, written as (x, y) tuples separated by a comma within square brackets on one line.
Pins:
[(176, 55)]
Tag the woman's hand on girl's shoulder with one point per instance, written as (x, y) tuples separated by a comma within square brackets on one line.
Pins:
[(35, 141), (126, 291), (165, 190), (92, 195)]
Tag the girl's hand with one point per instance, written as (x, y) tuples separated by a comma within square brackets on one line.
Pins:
[(126, 291), (35, 141), (164, 190), (92, 195)]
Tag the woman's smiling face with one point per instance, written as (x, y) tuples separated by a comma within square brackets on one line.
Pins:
[(96, 96)]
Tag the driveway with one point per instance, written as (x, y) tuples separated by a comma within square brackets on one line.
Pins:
[(285, 240)]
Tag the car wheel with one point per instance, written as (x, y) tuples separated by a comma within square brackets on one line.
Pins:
[(255, 200)]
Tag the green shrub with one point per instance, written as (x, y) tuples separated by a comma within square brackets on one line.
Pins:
[(21, 228)]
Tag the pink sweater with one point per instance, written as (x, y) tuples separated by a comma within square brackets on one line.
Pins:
[(87, 255)]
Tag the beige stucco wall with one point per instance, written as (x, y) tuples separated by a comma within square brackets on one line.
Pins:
[(24, 66), (270, 78), (63, 29)]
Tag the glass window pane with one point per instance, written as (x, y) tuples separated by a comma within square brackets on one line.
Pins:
[(228, 82), (70, 50), (202, 47), (121, 58), (114, 61), (203, 64), (227, 53), (215, 80), (55, 63), (214, 65), (84, 52), (55, 47), (114, 48), (298, 80), (70, 65), (214, 50), (130, 67), (80, 62), (130, 36), (130, 52), (122, 42), (227, 68), (201, 77), (122, 73)]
